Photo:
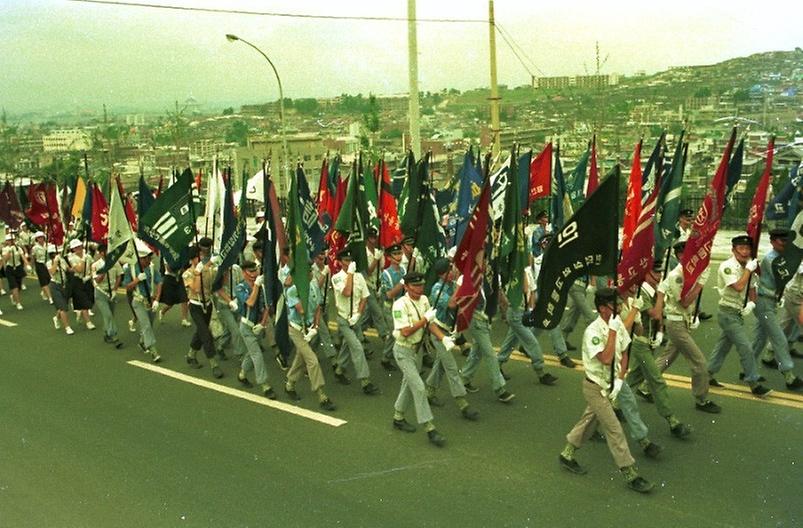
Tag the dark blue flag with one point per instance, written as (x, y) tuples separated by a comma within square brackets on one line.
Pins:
[(468, 194)]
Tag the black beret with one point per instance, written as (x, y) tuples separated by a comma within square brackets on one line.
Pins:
[(741, 240), (413, 277), (779, 232), (679, 246), (344, 253), (408, 240), (393, 247), (248, 265), (441, 266), (205, 243), (371, 231), (541, 214), (604, 296), (686, 212)]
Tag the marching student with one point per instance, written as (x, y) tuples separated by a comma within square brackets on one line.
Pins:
[(174, 293), (376, 259), (106, 284), (15, 264), (253, 317), (58, 268), (391, 289), (143, 280), (39, 257), (198, 281), (81, 281)]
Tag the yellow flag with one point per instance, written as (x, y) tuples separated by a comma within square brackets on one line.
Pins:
[(80, 196)]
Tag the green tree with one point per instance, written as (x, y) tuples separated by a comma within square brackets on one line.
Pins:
[(238, 132), (228, 111)]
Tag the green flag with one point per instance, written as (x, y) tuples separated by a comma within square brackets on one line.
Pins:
[(169, 222), (351, 219), (431, 240), (299, 254), (410, 214), (371, 195), (512, 251), (577, 181), (668, 204)]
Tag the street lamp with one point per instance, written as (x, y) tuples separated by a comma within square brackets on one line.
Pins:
[(233, 38)]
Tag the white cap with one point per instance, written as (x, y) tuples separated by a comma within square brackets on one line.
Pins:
[(143, 249), (51, 248), (75, 243), (38, 234)]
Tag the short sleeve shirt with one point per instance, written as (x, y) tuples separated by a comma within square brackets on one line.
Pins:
[(406, 312), (110, 278), (671, 287), (441, 292), (75, 261), (253, 314), (359, 291), (389, 279), (312, 304), (594, 339), (39, 252), (13, 254), (729, 273)]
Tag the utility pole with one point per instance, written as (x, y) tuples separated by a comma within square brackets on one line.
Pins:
[(495, 126), (412, 53)]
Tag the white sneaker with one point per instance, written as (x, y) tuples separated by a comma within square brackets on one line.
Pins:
[(186, 323), (19, 306), (24, 287), (56, 322), (69, 331), (90, 325), (50, 301), (42, 295), (2, 291), (131, 326), (91, 313)]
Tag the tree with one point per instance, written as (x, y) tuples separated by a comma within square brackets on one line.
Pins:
[(238, 132), (228, 111)]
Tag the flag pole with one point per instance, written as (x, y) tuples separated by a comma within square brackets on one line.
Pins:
[(615, 226)]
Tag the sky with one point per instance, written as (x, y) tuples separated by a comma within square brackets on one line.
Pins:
[(61, 54)]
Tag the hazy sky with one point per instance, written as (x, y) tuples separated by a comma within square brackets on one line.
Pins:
[(58, 53)]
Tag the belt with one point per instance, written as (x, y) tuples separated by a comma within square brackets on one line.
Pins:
[(675, 318), (732, 309), (294, 326)]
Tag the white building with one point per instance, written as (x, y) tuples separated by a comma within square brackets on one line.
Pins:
[(66, 140)]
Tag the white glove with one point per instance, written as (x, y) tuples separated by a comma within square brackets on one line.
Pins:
[(657, 340), (257, 329), (401, 281), (748, 308), (703, 278), (638, 303), (352, 267), (259, 281), (199, 267), (782, 303), (751, 265), (141, 277), (216, 260), (448, 343), (378, 253), (695, 324), (155, 305), (430, 314), (353, 319), (617, 386), (233, 305), (614, 323), (310, 335)]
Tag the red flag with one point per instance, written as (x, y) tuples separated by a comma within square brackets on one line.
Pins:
[(100, 215), (756, 214), (593, 172), (339, 198), (324, 197), (130, 212), (55, 229), (697, 254), (38, 211), (10, 210), (390, 229), (633, 203), (198, 180), (637, 259), (541, 175), (470, 257)]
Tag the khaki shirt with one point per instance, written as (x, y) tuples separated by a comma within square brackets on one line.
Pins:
[(729, 273), (594, 339), (671, 287), (406, 312), (359, 291), (204, 294)]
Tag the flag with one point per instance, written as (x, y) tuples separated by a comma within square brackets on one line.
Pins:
[(54, 225), (350, 225), (431, 240), (470, 256), (324, 197), (145, 198), (633, 201), (10, 210), (593, 171), (512, 247), (575, 186), (756, 214), (78, 198), (560, 201), (100, 215), (296, 233), (468, 193), (499, 181), (390, 228), (414, 195), (667, 208), (735, 169), (785, 265), (37, 211), (541, 175), (169, 223), (311, 231), (587, 244), (232, 240), (43, 210), (523, 177), (120, 232), (369, 178), (215, 188), (86, 213), (637, 259), (697, 253), (780, 206)]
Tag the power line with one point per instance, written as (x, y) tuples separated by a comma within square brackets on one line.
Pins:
[(508, 38), (276, 14)]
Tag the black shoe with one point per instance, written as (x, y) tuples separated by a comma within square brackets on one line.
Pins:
[(192, 362), (570, 346), (571, 464), (217, 372), (760, 390), (282, 362), (652, 450), (436, 438), (470, 388), (342, 378), (794, 353), (370, 389), (327, 405), (506, 397), (293, 394), (108, 339), (427, 361), (567, 362), (269, 393), (714, 383), (760, 378), (244, 382), (640, 484), (703, 316), (795, 384), (504, 374), (434, 401), (708, 406), (388, 365), (680, 430), (768, 363), (646, 395), (470, 414), (547, 379), (403, 425)]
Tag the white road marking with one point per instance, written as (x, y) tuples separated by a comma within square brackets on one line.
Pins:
[(261, 400), (7, 323)]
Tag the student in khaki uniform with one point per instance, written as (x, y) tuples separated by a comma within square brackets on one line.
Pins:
[(198, 281), (605, 342), (412, 316), (144, 282), (58, 267), (13, 259), (106, 284)]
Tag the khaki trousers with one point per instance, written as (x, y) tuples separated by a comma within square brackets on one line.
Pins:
[(305, 359)]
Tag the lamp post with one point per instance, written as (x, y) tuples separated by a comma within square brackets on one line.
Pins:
[(233, 38)]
